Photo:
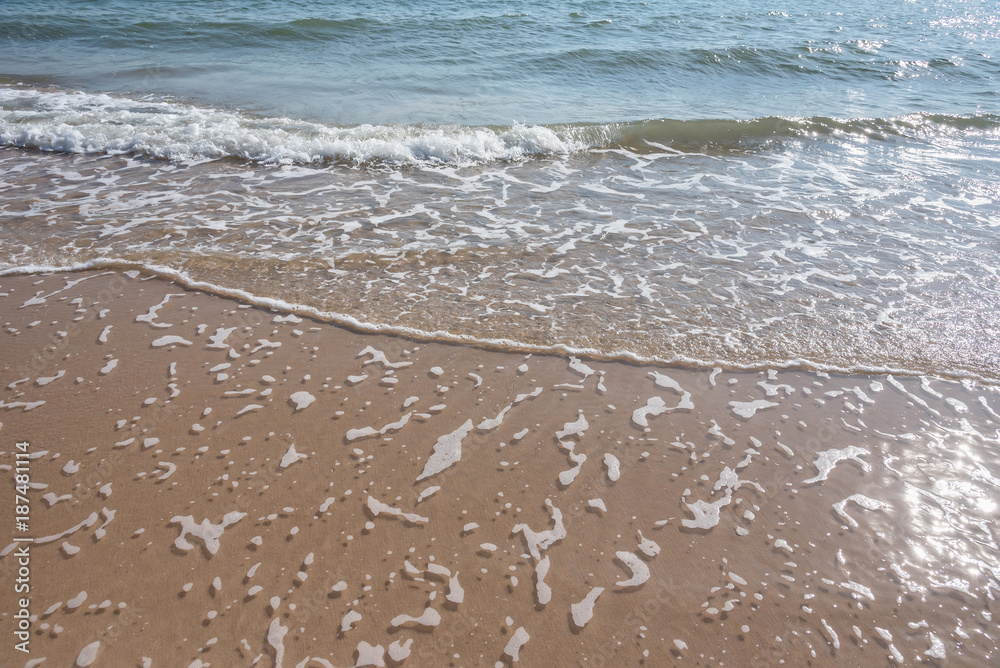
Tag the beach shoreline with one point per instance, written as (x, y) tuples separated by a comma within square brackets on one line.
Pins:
[(188, 448)]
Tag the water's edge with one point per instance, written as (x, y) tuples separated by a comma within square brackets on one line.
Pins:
[(442, 336)]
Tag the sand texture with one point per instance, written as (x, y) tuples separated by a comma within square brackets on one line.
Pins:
[(213, 483)]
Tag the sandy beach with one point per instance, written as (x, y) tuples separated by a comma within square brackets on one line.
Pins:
[(503, 335), (213, 483)]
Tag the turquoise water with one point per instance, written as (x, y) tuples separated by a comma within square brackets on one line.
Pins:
[(704, 183), (477, 63)]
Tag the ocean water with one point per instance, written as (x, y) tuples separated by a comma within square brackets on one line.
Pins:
[(709, 183), (715, 185)]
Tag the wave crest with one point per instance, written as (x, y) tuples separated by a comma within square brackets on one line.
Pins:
[(76, 122), (79, 122)]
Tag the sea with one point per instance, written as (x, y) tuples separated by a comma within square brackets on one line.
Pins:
[(731, 184)]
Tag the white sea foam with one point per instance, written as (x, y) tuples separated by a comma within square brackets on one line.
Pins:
[(568, 476), (78, 122), (377, 356), (542, 590), (351, 618), (41, 382), (575, 428), (88, 654), (290, 457), (428, 492), (377, 508), (831, 634), (598, 504), (493, 423), (447, 451), (864, 501), (353, 321), (456, 593), (76, 601), (400, 649), (539, 541), (151, 316), (428, 618), (581, 368), (208, 532), (648, 547), (937, 650), (370, 655), (640, 571), (218, 340), (302, 400), (584, 610), (654, 406), (364, 432), (858, 589), (516, 643), (87, 523), (276, 639), (613, 466), (747, 409), (827, 460)]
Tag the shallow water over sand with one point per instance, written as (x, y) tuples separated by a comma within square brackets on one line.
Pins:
[(701, 306), (271, 486), (816, 252)]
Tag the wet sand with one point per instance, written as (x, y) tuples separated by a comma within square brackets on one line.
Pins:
[(218, 484)]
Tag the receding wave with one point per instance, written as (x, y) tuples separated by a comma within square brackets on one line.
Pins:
[(489, 343), (79, 122)]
